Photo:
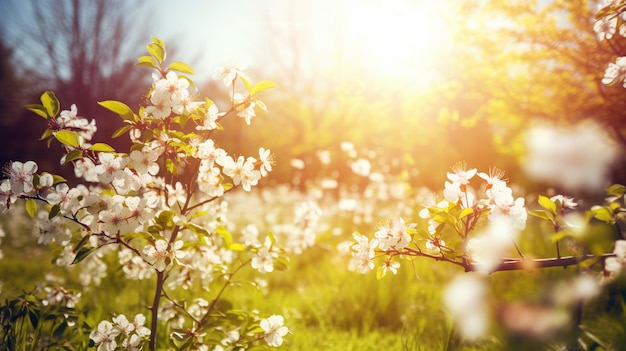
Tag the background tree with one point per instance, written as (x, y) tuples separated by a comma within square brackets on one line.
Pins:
[(511, 64), (529, 61), (79, 49), (326, 96), (12, 88)]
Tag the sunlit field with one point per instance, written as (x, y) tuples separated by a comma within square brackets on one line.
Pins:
[(384, 175), (327, 306)]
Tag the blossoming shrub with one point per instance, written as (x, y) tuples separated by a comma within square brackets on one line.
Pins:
[(478, 227), (156, 211), (609, 26)]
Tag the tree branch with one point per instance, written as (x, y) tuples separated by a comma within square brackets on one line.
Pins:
[(515, 264)]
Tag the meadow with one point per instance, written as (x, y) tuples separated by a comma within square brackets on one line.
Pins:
[(445, 215), (326, 305)]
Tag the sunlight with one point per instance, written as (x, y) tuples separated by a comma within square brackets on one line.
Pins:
[(397, 39)]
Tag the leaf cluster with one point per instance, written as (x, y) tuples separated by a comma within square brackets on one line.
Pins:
[(31, 321)]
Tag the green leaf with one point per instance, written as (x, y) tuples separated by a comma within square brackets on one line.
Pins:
[(171, 167), (272, 238), (158, 41), (46, 134), (54, 211), (225, 234), (31, 207), (58, 332), (542, 214), (147, 61), (196, 228), (73, 155), (616, 190), (280, 263), (603, 214), (50, 103), (587, 263), (444, 217), (246, 83), (166, 219), (121, 131), (84, 240), (102, 147), (31, 299), (236, 247), (260, 104), (38, 109), (260, 86), (36, 180), (546, 203), (82, 253), (191, 83), (34, 318), (66, 137), (157, 50), (466, 212), (198, 214), (380, 273), (560, 235), (137, 235), (118, 107), (56, 179), (181, 67)]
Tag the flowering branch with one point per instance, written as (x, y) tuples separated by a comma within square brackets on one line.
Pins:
[(461, 210), (153, 202)]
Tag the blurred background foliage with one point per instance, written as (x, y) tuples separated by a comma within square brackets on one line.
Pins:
[(505, 66)]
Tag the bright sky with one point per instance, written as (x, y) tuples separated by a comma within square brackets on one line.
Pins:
[(382, 37), (220, 31), (392, 38)]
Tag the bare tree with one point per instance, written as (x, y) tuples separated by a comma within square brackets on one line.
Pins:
[(87, 45), (83, 50)]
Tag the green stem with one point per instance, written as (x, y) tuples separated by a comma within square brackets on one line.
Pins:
[(219, 294), (206, 201), (22, 334), (180, 307), (519, 252)]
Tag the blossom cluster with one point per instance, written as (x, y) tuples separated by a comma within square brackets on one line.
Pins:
[(460, 209), (120, 332), (469, 302), (159, 207), (58, 295), (272, 329), (606, 26), (139, 194), (614, 265), (574, 158)]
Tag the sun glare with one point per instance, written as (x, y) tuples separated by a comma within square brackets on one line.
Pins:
[(396, 39)]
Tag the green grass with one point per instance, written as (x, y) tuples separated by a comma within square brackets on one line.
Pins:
[(326, 306), (330, 308)]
